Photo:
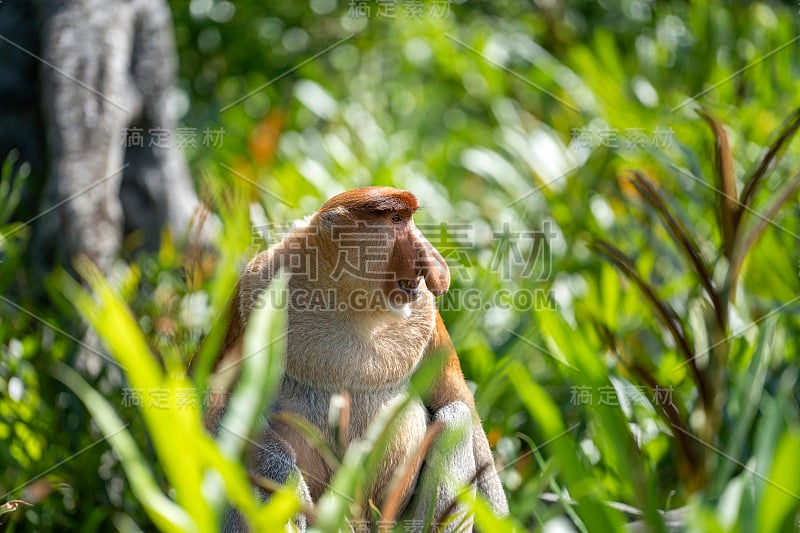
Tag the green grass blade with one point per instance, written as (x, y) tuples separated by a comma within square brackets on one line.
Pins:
[(781, 501), (166, 515)]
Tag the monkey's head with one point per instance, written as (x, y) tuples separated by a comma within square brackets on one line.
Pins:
[(371, 231)]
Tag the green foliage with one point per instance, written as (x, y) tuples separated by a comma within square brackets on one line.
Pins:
[(13, 234), (646, 362)]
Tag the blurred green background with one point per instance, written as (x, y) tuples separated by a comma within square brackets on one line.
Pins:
[(576, 121)]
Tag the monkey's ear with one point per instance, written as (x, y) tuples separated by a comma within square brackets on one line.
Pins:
[(330, 218), (434, 268)]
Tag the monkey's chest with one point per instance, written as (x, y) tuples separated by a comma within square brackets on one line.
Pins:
[(351, 420), (376, 352)]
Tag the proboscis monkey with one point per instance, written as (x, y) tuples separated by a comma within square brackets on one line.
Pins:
[(361, 318)]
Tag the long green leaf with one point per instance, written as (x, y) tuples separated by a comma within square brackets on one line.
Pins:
[(781, 500), (167, 422), (167, 515)]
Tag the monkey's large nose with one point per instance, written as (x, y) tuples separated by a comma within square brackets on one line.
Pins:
[(434, 269)]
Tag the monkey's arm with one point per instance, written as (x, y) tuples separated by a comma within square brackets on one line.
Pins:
[(447, 468), (255, 279), (451, 388), (273, 460)]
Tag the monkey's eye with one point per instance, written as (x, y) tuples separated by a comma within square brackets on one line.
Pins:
[(397, 218)]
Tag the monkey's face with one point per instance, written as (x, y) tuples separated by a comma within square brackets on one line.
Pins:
[(379, 249), (412, 259)]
